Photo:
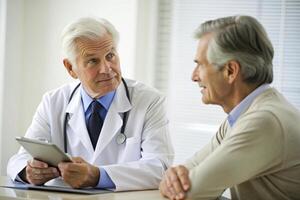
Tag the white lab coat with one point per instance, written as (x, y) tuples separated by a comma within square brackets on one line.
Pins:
[(138, 163)]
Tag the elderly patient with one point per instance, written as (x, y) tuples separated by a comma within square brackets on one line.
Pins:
[(256, 151), (87, 119)]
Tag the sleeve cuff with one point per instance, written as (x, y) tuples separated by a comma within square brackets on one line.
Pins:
[(105, 181), (18, 179)]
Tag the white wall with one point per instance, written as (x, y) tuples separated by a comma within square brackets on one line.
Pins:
[(11, 83), (146, 41), (32, 59), (2, 39)]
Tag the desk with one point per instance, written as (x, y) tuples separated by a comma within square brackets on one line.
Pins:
[(9, 193)]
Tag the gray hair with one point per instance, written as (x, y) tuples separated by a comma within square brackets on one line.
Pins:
[(87, 28), (243, 39)]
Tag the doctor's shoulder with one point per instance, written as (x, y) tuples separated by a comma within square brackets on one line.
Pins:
[(142, 92), (59, 95)]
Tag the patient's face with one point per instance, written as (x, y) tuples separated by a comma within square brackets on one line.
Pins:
[(210, 79)]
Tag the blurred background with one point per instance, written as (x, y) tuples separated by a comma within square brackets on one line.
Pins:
[(156, 47)]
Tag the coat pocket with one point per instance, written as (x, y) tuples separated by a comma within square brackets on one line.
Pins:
[(132, 151)]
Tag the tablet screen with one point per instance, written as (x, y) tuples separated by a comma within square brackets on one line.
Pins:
[(44, 151)]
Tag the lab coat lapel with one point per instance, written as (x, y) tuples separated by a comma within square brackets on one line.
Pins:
[(113, 120), (77, 124)]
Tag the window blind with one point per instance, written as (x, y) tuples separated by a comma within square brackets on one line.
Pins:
[(163, 40)]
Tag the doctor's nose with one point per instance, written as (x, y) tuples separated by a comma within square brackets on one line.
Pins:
[(104, 67)]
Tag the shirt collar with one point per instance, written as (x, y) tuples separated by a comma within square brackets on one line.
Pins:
[(245, 103), (105, 100)]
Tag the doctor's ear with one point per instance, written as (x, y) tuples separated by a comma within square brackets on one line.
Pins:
[(68, 65)]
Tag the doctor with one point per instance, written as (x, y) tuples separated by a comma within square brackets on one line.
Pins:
[(116, 130)]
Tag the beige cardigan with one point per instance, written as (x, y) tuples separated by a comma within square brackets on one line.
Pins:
[(258, 158)]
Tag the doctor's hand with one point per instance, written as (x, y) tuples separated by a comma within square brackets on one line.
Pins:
[(38, 172), (175, 183), (79, 173)]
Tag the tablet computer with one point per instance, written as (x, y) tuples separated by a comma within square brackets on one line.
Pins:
[(43, 151)]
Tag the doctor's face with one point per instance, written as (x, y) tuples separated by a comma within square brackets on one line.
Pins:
[(214, 87), (97, 66)]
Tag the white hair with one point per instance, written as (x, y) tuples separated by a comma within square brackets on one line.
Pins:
[(85, 28), (243, 39)]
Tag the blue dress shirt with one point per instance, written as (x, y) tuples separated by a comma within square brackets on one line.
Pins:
[(243, 105), (104, 181)]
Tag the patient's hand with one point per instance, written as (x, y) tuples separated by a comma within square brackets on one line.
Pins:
[(175, 183), (38, 172)]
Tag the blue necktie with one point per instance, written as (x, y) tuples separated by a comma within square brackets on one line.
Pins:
[(95, 122)]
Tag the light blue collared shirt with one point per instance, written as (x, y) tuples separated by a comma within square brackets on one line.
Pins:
[(104, 181), (245, 103)]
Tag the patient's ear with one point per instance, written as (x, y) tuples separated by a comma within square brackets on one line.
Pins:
[(232, 70), (70, 68)]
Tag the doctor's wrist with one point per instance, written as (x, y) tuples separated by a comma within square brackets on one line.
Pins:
[(94, 175)]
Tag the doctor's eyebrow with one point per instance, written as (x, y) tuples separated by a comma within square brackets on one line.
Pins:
[(87, 55)]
